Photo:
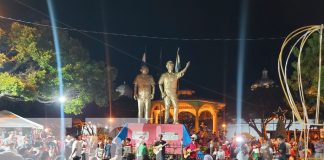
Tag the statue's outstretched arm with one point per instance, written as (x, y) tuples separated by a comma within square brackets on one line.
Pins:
[(182, 72)]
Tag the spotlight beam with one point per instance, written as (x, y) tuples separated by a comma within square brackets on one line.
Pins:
[(59, 72)]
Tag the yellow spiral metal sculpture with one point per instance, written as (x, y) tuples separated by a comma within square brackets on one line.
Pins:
[(298, 39)]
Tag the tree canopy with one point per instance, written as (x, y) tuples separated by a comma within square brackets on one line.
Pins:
[(309, 73), (28, 70)]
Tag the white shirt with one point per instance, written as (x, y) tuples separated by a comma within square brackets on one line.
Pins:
[(76, 148), (220, 155), (208, 157)]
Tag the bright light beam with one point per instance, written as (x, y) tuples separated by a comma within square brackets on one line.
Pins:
[(240, 66), (62, 99), (59, 72)]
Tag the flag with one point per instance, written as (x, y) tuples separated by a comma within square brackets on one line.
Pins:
[(144, 58), (186, 139), (121, 135), (177, 63)]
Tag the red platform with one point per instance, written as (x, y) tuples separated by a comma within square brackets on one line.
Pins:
[(172, 134)]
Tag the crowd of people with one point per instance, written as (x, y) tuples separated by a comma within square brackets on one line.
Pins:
[(33, 146), (204, 146)]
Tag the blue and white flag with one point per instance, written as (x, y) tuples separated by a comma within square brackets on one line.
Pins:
[(144, 58), (186, 139), (177, 63), (121, 135)]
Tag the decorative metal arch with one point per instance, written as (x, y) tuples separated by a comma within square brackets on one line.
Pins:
[(302, 35)]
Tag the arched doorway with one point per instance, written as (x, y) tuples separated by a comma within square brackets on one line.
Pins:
[(206, 121), (188, 119)]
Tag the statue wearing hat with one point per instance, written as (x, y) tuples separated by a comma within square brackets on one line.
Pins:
[(168, 86), (144, 88)]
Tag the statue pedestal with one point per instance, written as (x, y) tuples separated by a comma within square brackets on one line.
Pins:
[(172, 134)]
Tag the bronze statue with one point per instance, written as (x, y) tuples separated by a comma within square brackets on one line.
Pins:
[(168, 86), (144, 88)]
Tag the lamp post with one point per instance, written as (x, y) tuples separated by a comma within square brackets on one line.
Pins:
[(224, 130)]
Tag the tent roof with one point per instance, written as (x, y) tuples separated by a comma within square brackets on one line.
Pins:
[(11, 120)]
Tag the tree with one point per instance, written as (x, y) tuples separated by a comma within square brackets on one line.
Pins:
[(28, 69), (280, 130), (261, 104), (309, 73)]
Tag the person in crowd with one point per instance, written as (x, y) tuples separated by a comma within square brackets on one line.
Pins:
[(44, 156), (85, 149), (160, 144), (301, 147), (211, 146), (311, 147), (232, 150), (118, 149), (100, 150), (107, 148), (68, 145), (192, 148), (226, 149), (266, 151), (288, 148), (293, 149), (214, 153), (319, 149), (8, 155), (200, 154), (208, 156), (51, 152), (141, 152), (255, 152), (76, 149), (127, 149), (282, 149), (220, 155), (242, 151), (11, 139)]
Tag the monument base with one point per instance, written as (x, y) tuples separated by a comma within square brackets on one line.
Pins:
[(174, 134)]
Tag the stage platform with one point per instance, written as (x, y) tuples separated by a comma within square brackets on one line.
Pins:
[(173, 134)]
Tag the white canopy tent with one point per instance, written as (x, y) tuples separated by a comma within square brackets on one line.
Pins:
[(11, 120)]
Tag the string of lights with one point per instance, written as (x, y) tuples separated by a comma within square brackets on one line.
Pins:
[(141, 36), (126, 53)]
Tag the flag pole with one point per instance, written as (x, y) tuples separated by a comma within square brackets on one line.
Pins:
[(160, 107), (178, 67)]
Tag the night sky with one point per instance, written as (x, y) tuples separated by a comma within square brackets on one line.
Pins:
[(213, 63)]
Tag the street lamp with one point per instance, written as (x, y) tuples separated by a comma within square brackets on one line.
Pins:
[(224, 130), (224, 126), (110, 120)]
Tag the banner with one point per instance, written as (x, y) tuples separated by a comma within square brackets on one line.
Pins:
[(173, 134)]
